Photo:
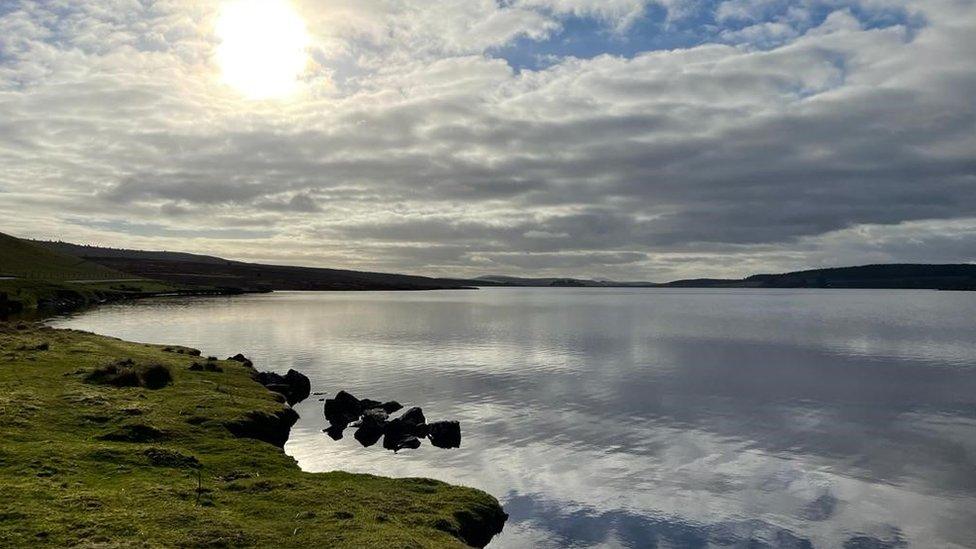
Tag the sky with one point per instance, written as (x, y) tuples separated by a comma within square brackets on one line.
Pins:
[(621, 139)]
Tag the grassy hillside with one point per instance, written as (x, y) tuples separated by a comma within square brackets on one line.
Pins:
[(96, 465), (34, 277), (28, 260), (191, 269)]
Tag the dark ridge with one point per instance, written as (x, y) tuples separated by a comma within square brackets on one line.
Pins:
[(201, 270), (893, 276)]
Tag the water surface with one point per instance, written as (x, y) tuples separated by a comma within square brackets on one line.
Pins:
[(639, 417)]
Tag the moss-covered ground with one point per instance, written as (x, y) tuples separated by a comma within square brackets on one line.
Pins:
[(95, 465)]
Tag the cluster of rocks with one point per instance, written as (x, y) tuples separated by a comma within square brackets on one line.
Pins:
[(372, 421), (294, 385)]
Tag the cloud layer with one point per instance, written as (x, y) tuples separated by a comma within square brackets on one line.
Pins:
[(778, 135)]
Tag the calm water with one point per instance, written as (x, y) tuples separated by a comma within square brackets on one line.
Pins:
[(640, 418)]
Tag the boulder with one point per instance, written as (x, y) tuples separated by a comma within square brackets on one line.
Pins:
[(375, 417), (397, 443), (445, 434), (268, 378), (242, 359), (300, 386), (335, 430), (368, 403), (415, 422), (280, 388), (368, 435), (344, 408), (391, 406), (294, 385)]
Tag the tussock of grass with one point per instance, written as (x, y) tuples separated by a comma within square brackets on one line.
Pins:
[(125, 373), (87, 464)]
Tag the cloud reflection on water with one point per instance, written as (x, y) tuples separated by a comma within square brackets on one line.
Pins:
[(642, 418)]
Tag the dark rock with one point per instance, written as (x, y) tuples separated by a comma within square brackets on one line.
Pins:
[(196, 367), (416, 423), (300, 385), (335, 430), (391, 406), (445, 434), (344, 408), (398, 432), (396, 443), (294, 385), (375, 417), (267, 378), (280, 388), (368, 436), (476, 528), (270, 428), (414, 416), (242, 359), (368, 403)]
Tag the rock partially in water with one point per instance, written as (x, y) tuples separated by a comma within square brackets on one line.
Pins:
[(293, 385), (335, 430), (367, 403), (344, 408), (399, 442), (391, 406), (300, 386), (372, 421), (242, 359), (371, 426), (445, 434), (368, 436)]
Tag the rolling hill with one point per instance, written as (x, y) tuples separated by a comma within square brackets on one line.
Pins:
[(192, 269), (24, 259)]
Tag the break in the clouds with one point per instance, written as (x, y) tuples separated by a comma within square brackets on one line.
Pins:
[(632, 139)]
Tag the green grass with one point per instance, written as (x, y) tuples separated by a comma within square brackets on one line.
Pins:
[(28, 260), (33, 294), (63, 484)]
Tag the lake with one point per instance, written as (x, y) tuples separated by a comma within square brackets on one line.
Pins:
[(638, 417)]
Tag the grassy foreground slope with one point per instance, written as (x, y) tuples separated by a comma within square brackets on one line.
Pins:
[(93, 465)]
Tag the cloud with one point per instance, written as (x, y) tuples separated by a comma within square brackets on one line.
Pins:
[(789, 140)]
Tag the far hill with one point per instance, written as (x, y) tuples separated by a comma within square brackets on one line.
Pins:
[(498, 280), (211, 271), (28, 260), (905, 276), (204, 270)]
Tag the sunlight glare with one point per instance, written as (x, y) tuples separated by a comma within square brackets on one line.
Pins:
[(263, 47)]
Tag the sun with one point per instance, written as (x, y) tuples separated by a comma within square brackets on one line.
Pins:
[(263, 47)]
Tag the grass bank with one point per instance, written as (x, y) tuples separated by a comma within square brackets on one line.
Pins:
[(88, 463), (29, 296)]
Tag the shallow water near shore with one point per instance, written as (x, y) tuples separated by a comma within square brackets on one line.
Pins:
[(638, 417)]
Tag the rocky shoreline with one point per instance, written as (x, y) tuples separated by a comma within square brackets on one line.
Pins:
[(193, 447), (475, 526)]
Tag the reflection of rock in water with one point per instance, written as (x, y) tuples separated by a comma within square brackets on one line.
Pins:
[(372, 421)]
